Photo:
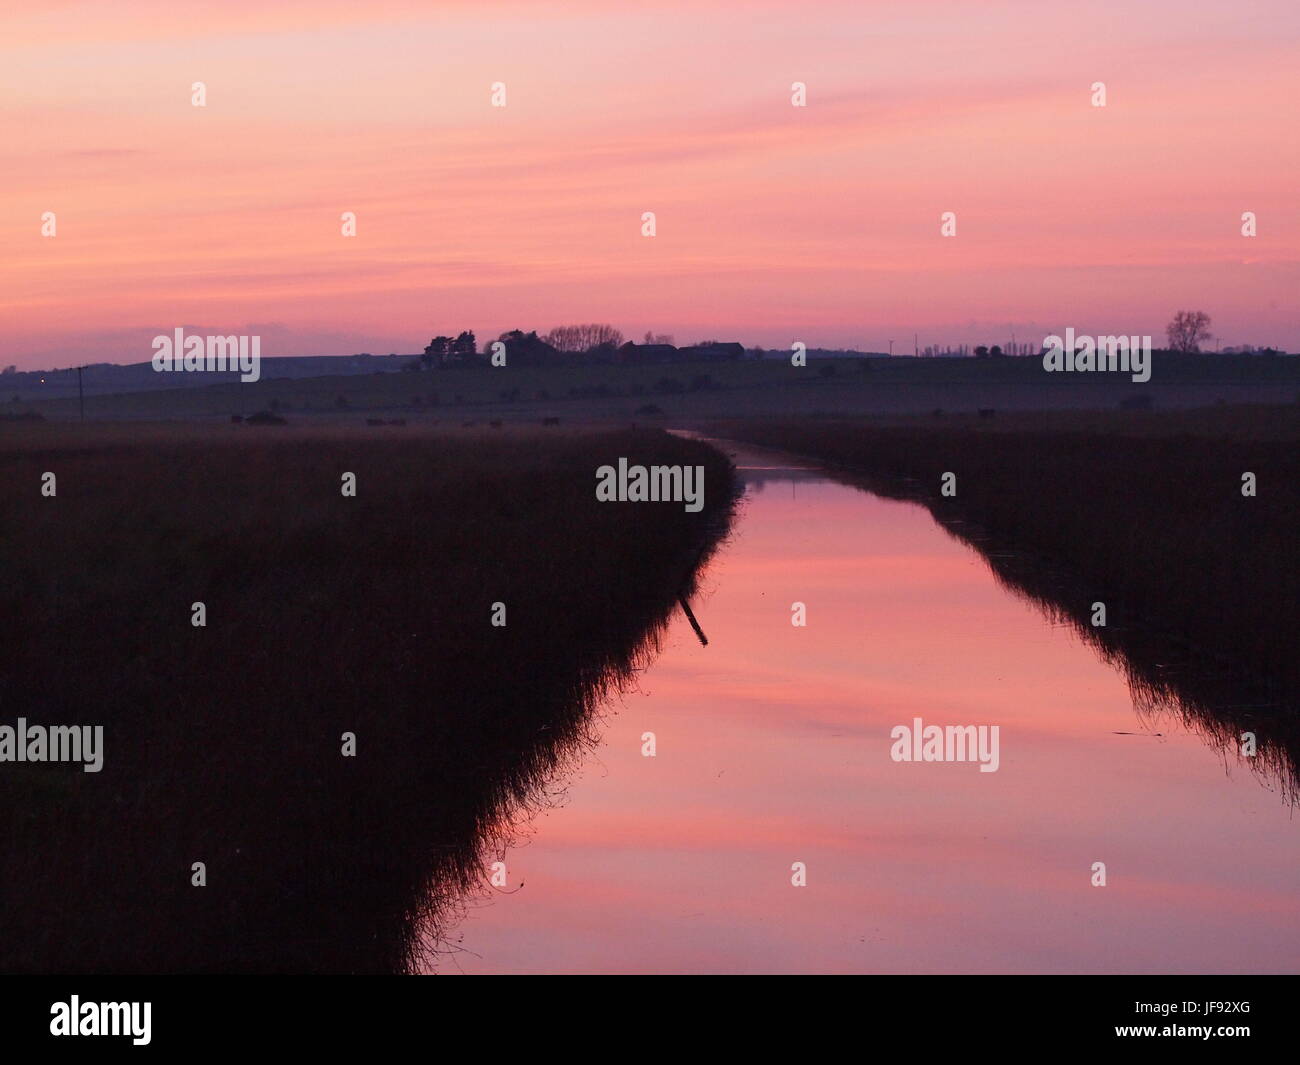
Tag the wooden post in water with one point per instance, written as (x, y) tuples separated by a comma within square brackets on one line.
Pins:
[(686, 609)]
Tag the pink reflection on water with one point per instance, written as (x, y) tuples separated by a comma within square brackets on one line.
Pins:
[(773, 747)]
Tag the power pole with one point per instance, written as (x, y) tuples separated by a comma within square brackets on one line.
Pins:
[(81, 395), (916, 346)]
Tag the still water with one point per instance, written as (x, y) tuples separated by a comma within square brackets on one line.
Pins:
[(773, 747)]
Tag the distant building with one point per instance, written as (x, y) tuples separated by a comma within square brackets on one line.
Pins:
[(712, 352), (655, 354)]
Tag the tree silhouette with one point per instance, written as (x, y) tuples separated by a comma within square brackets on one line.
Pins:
[(528, 347), (1187, 330), (436, 352), (580, 338), (463, 347)]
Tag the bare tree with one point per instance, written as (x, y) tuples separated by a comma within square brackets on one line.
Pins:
[(1188, 330), (604, 334), (566, 338), (579, 338)]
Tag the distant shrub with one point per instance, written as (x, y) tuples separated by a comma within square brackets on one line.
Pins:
[(265, 417)]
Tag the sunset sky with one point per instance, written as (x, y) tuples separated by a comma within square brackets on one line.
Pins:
[(775, 223)]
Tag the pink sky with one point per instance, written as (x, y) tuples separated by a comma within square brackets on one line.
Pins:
[(775, 223)]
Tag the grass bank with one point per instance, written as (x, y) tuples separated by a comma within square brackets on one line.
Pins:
[(325, 615)]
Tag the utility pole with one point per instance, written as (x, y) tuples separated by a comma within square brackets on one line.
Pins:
[(891, 349), (81, 395), (916, 346)]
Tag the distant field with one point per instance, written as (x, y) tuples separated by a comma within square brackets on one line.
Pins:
[(693, 391)]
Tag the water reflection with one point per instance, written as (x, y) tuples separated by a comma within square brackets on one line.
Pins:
[(772, 748), (1224, 704)]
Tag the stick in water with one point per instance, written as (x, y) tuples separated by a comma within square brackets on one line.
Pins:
[(686, 609)]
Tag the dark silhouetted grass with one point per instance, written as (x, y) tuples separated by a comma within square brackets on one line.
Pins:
[(325, 615)]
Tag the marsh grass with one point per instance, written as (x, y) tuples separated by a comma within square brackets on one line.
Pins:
[(325, 615)]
